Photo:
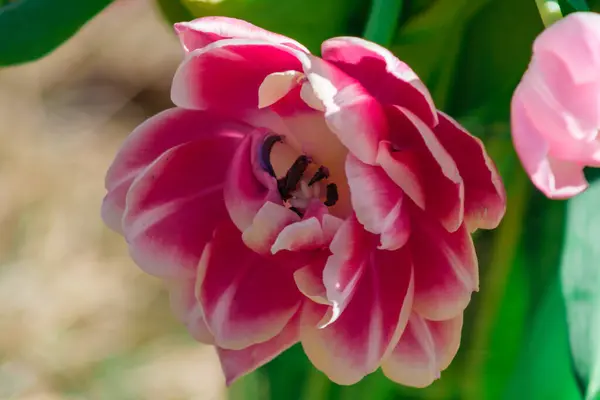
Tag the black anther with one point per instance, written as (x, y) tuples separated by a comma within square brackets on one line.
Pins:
[(332, 195), (288, 183), (294, 209), (265, 152), (322, 173)]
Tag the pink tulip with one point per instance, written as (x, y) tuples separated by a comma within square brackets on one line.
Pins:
[(294, 198), (556, 107)]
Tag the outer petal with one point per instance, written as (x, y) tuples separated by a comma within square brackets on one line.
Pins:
[(425, 348), (485, 197), (351, 112), (344, 269), (385, 77), (187, 309), (226, 75), (148, 141), (204, 31), (237, 363), (557, 179), (247, 298), (442, 184), (446, 271), (371, 325), (378, 203), (174, 206)]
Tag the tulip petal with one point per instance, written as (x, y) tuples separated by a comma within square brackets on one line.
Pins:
[(442, 184), (248, 187), (425, 349), (174, 205), (344, 268), (226, 75), (187, 309), (266, 226), (237, 363), (156, 135), (485, 198), (384, 76), (351, 112), (309, 280), (403, 168), (378, 203), (247, 298), (446, 271), (557, 179), (201, 32), (372, 323)]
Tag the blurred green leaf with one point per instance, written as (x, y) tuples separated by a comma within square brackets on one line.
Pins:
[(30, 29), (544, 368), (308, 21), (581, 285), (579, 5), (383, 18), (174, 11)]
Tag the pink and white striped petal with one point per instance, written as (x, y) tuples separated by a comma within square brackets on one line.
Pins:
[(382, 74), (378, 203), (152, 138), (425, 349), (246, 298), (485, 197), (439, 176), (372, 323), (225, 76), (267, 225), (201, 32), (174, 205), (237, 363), (446, 270)]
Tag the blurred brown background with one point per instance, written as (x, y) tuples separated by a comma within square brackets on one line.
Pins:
[(78, 320)]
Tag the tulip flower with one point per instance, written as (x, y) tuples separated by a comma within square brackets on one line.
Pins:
[(555, 112), (294, 198)]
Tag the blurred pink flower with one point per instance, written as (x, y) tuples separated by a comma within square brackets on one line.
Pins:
[(556, 107), (295, 198)]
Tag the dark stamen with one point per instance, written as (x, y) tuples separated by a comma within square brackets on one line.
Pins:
[(322, 173), (288, 183), (265, 152), (332, 195)]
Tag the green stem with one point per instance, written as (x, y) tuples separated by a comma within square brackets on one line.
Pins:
[(494, 287), (549, 11), (383, 20)]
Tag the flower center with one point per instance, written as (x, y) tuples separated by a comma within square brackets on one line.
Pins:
[(299, 180)]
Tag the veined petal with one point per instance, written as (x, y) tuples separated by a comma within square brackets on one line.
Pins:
[(446, 271), (425, 349), (237, 363), (382, 74), (152, 138), (201, 32), (226, 75), (372, 323), (246, 298), (173, 206), (378, 203), (485, 197), (441, 181)]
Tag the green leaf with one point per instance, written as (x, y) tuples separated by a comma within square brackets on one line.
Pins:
[(581, 285), (579, 5), (174, 11), (544, 369), (308, 21), (30, 29)]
